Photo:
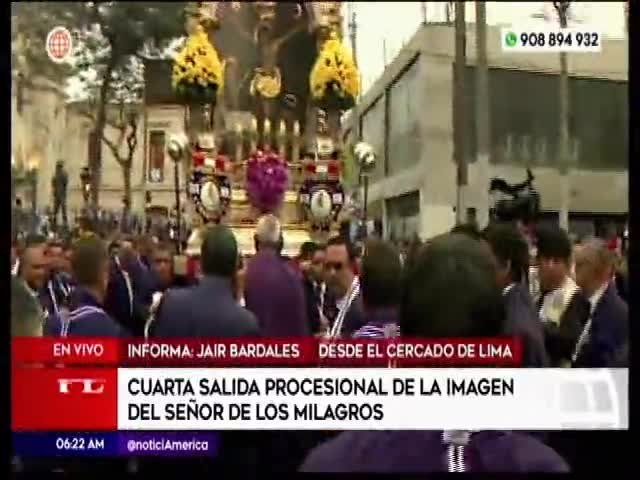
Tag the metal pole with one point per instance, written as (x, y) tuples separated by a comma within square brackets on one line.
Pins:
[(562, 8), (482, 112), (423, 9), (366, 198), (176, 173), (458, 110), (353, 33)]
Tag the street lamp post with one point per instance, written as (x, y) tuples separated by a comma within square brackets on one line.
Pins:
[(562, 8), (177, 148), (366, 159)]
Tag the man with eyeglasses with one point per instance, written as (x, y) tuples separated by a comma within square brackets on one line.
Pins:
[(340, 268)]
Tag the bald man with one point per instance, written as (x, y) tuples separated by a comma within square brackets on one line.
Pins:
[(607, 328), (273, 292)]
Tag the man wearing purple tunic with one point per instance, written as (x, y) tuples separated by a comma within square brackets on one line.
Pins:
[(450, 290), (273, 292)]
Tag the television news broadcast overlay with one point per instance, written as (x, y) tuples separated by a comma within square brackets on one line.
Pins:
[(130, 385), (546, 40)]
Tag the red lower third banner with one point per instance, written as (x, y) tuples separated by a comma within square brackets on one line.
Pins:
[(78, 399), (295, 352)]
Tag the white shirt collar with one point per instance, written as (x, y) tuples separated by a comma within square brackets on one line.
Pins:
[(508, 288), (597, 295)]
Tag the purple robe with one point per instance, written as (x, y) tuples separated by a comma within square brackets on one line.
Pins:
[(430, 451), (274, 294)]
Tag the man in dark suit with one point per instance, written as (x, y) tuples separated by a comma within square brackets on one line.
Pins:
[(317, 297), (209, 309), (563, 307), (607, 330), (86, 316), (161, 267), (511, 251), (273, 291), (601, 344), (341, 260), (458, 264)]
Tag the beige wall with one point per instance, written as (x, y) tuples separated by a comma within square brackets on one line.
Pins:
[(435, 175), (38, 133)]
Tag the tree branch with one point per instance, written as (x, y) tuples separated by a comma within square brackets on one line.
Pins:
[(115, 150), (90, 116), (132, 138)]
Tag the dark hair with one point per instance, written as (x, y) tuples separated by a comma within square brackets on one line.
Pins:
[(509, 246), (469, 230), (553, 243), (339, 241), (450, 290), (34, 240), (219, 251), (381, 275), (163, 247), (87, 261), (307, 249)]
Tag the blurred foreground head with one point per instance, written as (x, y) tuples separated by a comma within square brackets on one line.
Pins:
[(219, 252), (26, 312), (90, 265), (450, 290), (381, 275)]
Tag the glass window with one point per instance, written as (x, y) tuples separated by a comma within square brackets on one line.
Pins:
[(157, 140), (525, 128), (405, 104)]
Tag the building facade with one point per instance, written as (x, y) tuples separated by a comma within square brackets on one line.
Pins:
[(407, 116), (38, 126)]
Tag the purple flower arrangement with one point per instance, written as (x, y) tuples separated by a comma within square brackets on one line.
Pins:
[(267, 178)]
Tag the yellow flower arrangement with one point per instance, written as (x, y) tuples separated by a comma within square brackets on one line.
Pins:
[(198, 73), (334, 76)]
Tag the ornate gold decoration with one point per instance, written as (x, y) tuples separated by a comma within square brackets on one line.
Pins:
[(327, 15), (266, 84)]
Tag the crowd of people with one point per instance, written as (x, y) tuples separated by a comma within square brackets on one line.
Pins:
[(466, 283)]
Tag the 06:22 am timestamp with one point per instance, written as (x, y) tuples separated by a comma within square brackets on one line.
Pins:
[(72, 444)]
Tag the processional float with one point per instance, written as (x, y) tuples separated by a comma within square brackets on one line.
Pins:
[(264, 85)]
